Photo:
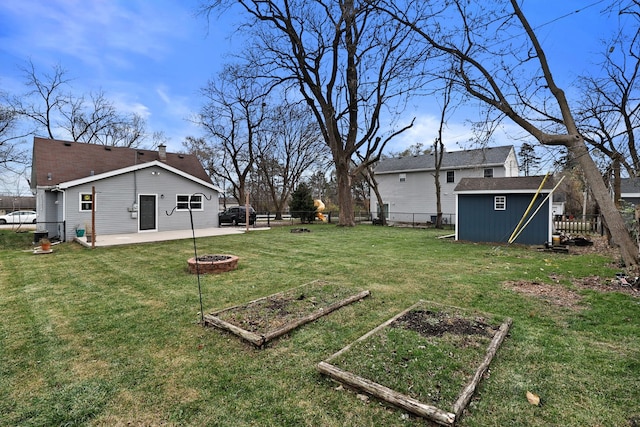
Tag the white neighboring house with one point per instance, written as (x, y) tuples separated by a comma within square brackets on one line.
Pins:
[(407, 184)]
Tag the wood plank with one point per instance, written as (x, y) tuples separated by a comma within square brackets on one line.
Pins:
[(255, 339), (467, 392), (388, 395), (323, 311)]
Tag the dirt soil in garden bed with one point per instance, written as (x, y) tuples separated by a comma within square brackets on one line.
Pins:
[(277, 310), (428, 323)]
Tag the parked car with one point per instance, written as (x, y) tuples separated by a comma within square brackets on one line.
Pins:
[(237, 215), (19, 217)]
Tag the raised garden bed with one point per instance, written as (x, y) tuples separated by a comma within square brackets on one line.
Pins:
[(427, 360), (264, 319)]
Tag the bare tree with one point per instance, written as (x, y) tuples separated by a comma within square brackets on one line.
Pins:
[(438, 149), (367, 172), (351, 67), (99, 122), (233, 113), (293, 145), (49, 105), (609, 112), (11, 151), (516, 81), (44, 98), (321, 187)]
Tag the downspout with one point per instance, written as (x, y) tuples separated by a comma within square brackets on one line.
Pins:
[(64, 210), (135, 180)]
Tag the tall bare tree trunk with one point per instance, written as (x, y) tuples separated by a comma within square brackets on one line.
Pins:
[(612, 217), (345, 198)]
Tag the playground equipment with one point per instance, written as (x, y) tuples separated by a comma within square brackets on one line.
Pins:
[(319, 208)]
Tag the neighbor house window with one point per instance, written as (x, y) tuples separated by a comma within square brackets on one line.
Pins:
[(500, 203), (451, 176), (183, 201), (488, 173), (86, 202), (403, 177)]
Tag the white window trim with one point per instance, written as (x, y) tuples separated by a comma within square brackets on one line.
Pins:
[(500, 203), (403, 177), (453, 176), (189, 196), (95, 198)]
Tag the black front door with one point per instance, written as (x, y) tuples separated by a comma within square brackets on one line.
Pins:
[(147, 212)]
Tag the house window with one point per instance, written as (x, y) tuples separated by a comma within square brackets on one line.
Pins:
[(451, 176), (500, 203), (488, 173), (86, 202), (403, 177), (183, 201)]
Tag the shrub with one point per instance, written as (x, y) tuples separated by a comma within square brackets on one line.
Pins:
[(301, 205)]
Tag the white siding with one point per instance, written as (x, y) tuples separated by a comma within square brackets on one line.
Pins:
[(417, 194)]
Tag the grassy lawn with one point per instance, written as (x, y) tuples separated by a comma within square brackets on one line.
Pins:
[(111, 336)]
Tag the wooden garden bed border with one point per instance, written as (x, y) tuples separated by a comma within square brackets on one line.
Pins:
[(259, 340), (403, 401)]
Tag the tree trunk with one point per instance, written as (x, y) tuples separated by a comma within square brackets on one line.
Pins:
[(438, 199), (345, 199), (381, 214), (616, 182), (612, 217)]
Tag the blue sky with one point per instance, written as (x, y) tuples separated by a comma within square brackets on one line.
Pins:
[(149, 57), (152, 56)]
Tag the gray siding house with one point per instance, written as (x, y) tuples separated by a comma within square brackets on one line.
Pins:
[(489, 209), (407, 184), (125, 190)]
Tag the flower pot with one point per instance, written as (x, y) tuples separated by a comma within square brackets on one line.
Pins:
[(79, 233), (89, 238), (45, 246)]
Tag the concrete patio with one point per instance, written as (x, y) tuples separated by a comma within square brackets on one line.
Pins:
[(132, 238)]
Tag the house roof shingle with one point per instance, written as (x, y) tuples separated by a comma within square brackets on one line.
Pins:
[(515, 183), (450, 160), (56, 161)]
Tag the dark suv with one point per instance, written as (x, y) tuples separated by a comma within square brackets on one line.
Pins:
[(237, 215)]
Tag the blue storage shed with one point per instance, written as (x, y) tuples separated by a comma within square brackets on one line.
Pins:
[(489, 209)]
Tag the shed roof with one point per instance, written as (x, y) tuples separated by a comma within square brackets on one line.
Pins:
[(489, 156), (56, 161), (528, 184), (630, 185)]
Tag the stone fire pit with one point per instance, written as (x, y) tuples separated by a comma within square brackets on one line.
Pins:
[(213, 264)]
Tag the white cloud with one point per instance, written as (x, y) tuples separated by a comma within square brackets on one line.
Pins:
[(96, 31), (457, 133), (124, 104)]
